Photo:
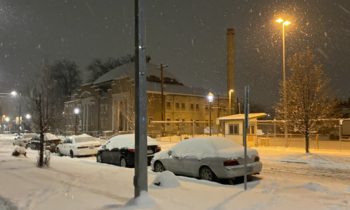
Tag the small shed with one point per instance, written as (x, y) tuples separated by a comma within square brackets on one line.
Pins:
[(232, 127)]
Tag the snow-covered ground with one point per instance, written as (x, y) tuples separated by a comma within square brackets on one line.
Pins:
[(290, 180)]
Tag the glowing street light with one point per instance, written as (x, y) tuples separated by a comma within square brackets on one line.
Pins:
[(28, 116), (14, 93), (284, 23), (7, 119), (210, 98)]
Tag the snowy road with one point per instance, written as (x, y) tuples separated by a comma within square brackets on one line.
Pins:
[(290, 180)]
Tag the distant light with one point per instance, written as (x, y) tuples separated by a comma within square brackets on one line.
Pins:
[(76, 110), (7, 119), (210, 97), (279, 20), (28, 116), (14, 93), (286, 23), (231, 91)]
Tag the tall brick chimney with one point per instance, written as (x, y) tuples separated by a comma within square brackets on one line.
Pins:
[(231, 91)]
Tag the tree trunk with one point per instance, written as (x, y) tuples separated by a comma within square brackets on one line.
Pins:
[(307, 138), (41, 150)]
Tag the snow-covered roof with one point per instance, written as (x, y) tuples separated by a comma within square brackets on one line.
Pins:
[(241, 116), (127, 70)]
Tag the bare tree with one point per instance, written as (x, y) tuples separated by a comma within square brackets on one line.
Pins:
[(308, 95), (45, 108)]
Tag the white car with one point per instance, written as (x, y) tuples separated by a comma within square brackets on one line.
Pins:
[(208, 158), (80, 145)]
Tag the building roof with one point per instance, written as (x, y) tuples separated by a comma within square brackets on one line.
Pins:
[(127, 70), (241, 116)]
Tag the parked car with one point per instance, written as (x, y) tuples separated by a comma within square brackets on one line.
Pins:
[(208, 158), (80, 145), (120, 150), (50, 142), (23, 139)]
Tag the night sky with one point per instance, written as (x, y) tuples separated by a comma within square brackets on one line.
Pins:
[(187, 35)]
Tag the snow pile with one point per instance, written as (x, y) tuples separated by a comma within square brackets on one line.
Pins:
[(6, 204), (144, 201), (315, 187), (19, 150), (166, 179)]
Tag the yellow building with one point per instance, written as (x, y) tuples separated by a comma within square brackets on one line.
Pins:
[(107, 105)]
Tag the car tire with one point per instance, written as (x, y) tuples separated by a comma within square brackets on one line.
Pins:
[(59, 152), (98, 158), (206, 173), (71, 154), (158, 167), (123, 162)]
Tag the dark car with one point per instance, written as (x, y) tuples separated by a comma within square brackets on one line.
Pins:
[(120, 150), (50, 142)]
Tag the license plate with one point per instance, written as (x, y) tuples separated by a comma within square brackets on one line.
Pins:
[(91, 147), (149, 151)]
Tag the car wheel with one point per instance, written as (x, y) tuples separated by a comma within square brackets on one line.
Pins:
[(206, 173), (71, 154), (98, 158), (123, 162), (158, 167), (58, 152)]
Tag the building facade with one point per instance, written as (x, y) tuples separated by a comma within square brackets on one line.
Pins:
[(107, 105)]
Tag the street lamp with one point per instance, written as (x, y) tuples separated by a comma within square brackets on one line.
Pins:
[(230, 92), (210, 98), (28, 116), (284, 24), (76, 112)]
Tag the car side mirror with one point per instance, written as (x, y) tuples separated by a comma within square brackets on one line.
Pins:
[(103, 146), (170, 152)]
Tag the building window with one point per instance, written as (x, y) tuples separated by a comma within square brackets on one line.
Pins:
[(183, 107), (197, 107), (168, 105), (252, 129), (177, 105), (233, 129), (192, 107)]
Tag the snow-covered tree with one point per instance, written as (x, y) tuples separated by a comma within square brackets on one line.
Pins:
[(308, 95)]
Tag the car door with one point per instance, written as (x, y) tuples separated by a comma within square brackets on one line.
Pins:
[(173, 162)]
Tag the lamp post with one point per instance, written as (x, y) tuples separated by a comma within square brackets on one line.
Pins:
[(284, 24), (230, 100), (76, 112), (210, 98)]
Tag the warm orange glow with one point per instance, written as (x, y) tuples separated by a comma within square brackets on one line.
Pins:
[(286, 22), (279, 20)]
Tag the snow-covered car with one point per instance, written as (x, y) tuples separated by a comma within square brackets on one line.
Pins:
[(207, 158), (50, 142), (120, 150), (23, 139), (79, 145)]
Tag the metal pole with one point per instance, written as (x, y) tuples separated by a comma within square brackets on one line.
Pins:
[(140, 178), (209, 118), (76, 125), (162, 96), (245, 128), (284, 82)]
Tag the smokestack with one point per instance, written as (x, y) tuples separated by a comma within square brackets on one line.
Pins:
[(231, 91)]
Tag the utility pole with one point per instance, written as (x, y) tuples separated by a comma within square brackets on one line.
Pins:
[(140, 178), (162, 96)]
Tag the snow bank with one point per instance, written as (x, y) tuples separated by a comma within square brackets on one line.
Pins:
[(166, 179), (315, 187), (144, 201), (6, 204)]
